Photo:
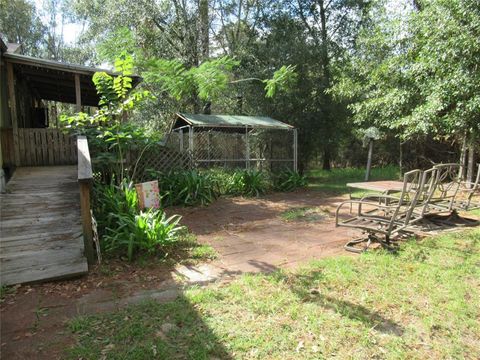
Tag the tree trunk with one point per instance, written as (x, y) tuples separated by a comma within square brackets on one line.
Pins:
[(400, 160), (326, 158), (463, 157), (326, 83), (324, 37), (471, 160), (204, 27), (369, 160)]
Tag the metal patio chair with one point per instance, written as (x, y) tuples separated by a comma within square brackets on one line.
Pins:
[(445, 198), (447, 184), (469, 190), (428, 187), (385, 217)]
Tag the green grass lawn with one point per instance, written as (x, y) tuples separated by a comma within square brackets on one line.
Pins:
[(422, 303), (335, 180)]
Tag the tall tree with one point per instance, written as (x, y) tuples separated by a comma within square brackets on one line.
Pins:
[(418, 75), (19, 23)]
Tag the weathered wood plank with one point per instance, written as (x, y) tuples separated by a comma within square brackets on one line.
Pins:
[(50, 148), (42, 233), (78, 94), (85, 176), (44, 146), (7, 147), (35, 247), (42, 238), (41, 219), (62, 150), (21, 145), (38, 148), (33, 152), (13, 111), (84, 162), (71, 150), (55, 135), (45, 271), (33, 211), (24, 259)]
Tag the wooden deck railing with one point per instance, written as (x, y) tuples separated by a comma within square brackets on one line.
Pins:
[(6, 138), (85, 179), (40, 147)]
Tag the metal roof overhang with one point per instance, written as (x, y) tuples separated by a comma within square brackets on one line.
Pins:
[(228, 121), (52, 80)]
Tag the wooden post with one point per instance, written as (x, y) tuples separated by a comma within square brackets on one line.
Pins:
[(400, 160), (369, 161), (78, 93), (86, 221), (85, 178), (247, 149), (471, 160), (190, 139), (13, 112), (295, 150)]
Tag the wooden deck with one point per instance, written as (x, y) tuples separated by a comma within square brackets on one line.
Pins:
[(40, 226)]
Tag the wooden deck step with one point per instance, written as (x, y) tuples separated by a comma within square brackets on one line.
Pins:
[(40, 226)]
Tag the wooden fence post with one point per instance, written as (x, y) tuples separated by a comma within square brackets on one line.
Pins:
[(13, 112), (85, 179)]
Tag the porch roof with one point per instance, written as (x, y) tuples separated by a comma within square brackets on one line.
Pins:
[(53, 80)]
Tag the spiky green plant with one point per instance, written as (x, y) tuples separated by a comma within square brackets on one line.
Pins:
[(288, 180)]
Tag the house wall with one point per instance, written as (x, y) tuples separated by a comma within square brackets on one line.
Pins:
[(4, 113)]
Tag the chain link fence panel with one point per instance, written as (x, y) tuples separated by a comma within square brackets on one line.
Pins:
[(248, 148)]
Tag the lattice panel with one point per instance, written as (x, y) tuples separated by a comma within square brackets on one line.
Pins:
[(157, 159)]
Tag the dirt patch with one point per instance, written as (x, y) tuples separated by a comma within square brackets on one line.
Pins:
[(249, 235)]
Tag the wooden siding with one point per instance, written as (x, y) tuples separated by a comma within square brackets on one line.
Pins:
[(43, 147), (7, 147)]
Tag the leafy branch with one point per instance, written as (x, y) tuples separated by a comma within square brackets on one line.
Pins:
[(211, 78)]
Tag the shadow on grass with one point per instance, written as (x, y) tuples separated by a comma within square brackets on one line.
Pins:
[(149, 330), (299, 284), (359, 313), (161, 325)]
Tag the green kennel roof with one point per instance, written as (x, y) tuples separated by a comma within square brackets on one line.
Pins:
[(229, 121)]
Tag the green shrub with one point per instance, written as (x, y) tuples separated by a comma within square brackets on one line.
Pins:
[(202, 187), (221, 178), (187, 188), (288, 180), (126, 230), (248, 183), (150, 231)]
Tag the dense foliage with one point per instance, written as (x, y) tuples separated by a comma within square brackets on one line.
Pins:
[(408, 68), (425, 79), (194, 187), (288, 180), (125, 229), (187, 188)]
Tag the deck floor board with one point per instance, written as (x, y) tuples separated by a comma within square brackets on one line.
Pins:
[(40, 226)]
